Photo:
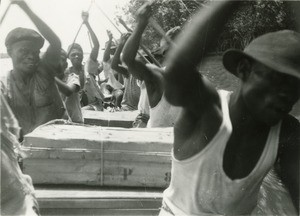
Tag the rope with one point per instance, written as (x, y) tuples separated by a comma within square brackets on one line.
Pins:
[(5, 13), (107, 17), (79, 30)]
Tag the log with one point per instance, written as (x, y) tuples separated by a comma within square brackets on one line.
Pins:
[(110, 119), (94, 155)]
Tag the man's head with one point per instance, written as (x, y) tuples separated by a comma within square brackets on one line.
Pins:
[(23, 46), (269, 68), (75, 54)]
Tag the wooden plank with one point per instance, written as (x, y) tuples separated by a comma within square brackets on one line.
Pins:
[(102, 212), (79, 200), (92, 137), (110, 119), (93, 155), (88, 172)]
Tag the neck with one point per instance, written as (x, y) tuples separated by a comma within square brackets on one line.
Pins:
[(240, 115), (21, 76), (77, 67)]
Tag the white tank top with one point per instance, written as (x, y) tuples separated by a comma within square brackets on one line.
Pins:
[(199, 185), (163, 114)]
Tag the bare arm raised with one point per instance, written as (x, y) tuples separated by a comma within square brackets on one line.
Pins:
[(115, 64), (106, 55), (152, 78), (184, 86), (95, 49), (53, 52)]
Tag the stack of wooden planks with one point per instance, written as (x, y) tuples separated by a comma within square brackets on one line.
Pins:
[(93, 155), (110, 119)]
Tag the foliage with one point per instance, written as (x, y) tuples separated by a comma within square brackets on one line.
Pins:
[(253, 18), (168, 13)]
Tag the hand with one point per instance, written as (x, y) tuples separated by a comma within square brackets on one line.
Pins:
[(109, 34), (144, 13), (85, 16), (124, 38)]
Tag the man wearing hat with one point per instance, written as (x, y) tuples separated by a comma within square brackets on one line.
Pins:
[(225, 144), (29, 87), (162, 113)]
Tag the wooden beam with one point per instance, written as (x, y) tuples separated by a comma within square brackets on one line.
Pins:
[(110, 119)]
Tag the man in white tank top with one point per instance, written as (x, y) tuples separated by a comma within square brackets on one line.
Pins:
[(162, 113), (224, 145)]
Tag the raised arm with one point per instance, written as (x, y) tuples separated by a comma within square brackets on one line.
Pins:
[(116, 62), (53, 52), (106, 55), (184, 86), (136, 68), (96, 45)]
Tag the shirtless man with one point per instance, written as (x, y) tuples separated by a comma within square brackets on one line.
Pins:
[(224, 145), (162, 114), (30, 88)]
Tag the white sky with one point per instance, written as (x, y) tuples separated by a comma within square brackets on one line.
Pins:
[(64, 17)]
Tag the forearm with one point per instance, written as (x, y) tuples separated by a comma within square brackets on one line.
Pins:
[(106, 55), (198, 38), (96, 45), (44, 29), (64, 88), (132, 45), (116, 61), (181, 76)]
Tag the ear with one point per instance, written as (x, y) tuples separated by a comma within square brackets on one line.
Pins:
[(243, 69)]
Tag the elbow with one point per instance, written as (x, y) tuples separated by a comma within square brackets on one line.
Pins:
[(127, 60)]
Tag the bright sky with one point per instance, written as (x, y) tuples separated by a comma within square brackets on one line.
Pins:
[(64, 17)]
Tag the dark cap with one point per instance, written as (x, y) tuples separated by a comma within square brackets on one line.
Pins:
[(21, 34), (277, 50)]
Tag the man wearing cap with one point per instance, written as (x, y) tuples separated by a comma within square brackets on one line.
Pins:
[(162, 113), (29, 87), (224, 145)]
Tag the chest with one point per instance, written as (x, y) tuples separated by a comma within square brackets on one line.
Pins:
[(243, 151)]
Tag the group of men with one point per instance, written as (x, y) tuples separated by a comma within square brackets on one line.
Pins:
[(224, 143)]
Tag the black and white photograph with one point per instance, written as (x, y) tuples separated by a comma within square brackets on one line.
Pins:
[(150, 107)]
